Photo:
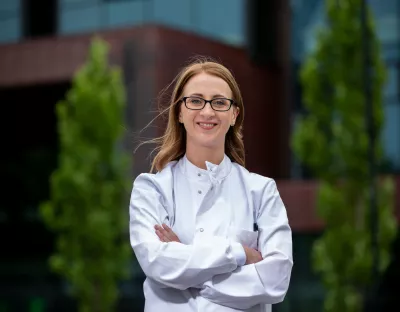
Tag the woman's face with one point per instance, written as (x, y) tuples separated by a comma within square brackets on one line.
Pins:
[(207, 127)]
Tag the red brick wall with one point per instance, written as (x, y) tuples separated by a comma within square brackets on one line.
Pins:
[(53, 59)]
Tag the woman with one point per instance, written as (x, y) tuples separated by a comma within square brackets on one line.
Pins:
[(208, 234)]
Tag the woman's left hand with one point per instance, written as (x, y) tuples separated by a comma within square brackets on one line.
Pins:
[(165, 234)]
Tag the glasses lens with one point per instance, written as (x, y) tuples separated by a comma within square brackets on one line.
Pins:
[(221, 104), (194, 103)]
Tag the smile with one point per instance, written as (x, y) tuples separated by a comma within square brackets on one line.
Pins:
[(206, 126)]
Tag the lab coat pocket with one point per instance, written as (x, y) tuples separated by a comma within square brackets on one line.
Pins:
[(245, 237)]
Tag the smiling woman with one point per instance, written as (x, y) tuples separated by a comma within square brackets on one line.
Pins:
[(208, 234), (206, 126), (199, 80)]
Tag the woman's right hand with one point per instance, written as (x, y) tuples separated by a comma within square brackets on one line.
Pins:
[(252, 255), (165, 233)]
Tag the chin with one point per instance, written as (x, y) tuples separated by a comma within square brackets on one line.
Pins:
[(208, 142)]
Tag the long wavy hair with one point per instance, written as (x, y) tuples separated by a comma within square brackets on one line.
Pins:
[(172, 144)]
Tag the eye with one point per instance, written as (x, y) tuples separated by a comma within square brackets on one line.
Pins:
[(221, 102), (195, 101)]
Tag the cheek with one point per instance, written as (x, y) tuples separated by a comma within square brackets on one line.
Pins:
[(188, 118), (226, 121)]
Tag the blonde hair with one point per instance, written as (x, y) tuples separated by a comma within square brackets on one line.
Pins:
[(172, 144)]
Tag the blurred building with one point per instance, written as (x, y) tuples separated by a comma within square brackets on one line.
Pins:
[(42, 44)]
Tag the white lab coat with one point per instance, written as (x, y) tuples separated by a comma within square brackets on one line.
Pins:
[(212, 212)]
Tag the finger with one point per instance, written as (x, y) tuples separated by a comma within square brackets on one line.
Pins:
[(168, 231), (161, 229), (166, 239), (157, 227), (167, 228), (162, 237)]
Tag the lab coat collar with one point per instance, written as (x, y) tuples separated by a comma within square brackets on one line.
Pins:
[(215, 173)]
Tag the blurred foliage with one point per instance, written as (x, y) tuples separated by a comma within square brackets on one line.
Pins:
[(331, 140), (89, 188)]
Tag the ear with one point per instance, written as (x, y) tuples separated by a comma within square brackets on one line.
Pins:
[(235, 114)]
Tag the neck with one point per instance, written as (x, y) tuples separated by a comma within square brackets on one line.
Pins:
[(199, 155)]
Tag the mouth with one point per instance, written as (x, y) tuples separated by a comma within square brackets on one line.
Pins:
[(206, 126)]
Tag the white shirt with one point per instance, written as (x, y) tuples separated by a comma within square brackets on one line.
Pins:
[(213, 213)]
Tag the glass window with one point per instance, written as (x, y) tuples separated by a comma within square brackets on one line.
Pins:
[(73, 20), (121, 13), (391, 51), (392, 82), (10, 21), (9, 5), (317, 20), (304, 13), (224, 21), (386, 19), (391, 135), (173, 12), (76, 4), (10, 30)]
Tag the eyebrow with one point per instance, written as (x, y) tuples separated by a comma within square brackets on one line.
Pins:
[(214, 96)]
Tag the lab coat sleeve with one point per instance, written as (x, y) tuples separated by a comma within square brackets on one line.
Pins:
[(173, 264), (267, 281)]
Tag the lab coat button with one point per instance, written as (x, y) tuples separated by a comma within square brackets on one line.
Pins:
[(199, 191), (199, 174), (201, 230)]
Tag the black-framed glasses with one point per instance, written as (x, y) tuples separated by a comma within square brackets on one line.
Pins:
[(217, 104)]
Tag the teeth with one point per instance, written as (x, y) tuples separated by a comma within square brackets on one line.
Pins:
[(206, 125)]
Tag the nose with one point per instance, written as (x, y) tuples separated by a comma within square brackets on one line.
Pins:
[(207, 110)]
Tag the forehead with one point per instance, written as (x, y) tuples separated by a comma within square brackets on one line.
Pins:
[(207, 85)]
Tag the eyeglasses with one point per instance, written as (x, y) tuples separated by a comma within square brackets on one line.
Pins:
[(198, 103)]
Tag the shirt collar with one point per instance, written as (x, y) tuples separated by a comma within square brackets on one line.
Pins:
[(215, 173)]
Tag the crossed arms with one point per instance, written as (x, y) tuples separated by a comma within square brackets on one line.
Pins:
[(212, 267)]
